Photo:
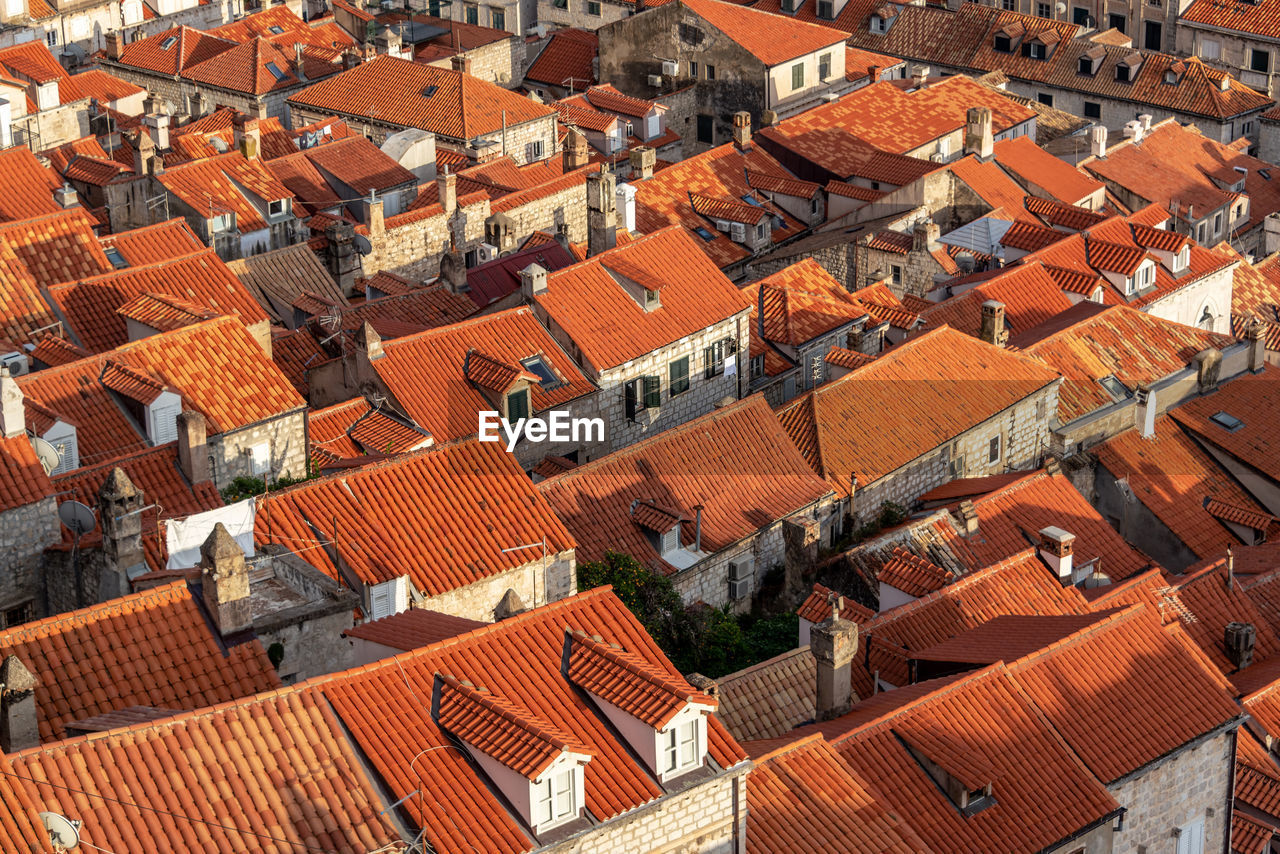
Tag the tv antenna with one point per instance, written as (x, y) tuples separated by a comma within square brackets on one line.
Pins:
[(64, 833), (46, 453)]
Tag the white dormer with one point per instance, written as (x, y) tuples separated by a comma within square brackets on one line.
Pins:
[(162, 417), (1183, 259), (63, 438), (1142, 278), (681, 746)]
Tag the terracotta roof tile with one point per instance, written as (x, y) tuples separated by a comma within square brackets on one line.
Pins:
[(163, 312), (1036, 167), (772, 39), (567, 60), (1204, 602), (173, 51), (717, 461), (460, 107), (412, 629), (769, 699), (628, 681), (154, 243), (22, 478), (424, 526), (800, 303), (1029, 293), (220, 184), (816, 608), (913, 574), (73, 392), (53, 350), (943, 371), (1255, 400)]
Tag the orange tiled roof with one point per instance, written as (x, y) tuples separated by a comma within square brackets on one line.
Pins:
[(33, 60), (219, 184), (153, 648), (131, 383), (1028, 292), (628, 681), (567, 60), (390, 91), (772, 39), (173, 51), (258, 67), (22, 478), (1255, 288), (913, 574), (805, 797), (429, 376), (1255, 400), (1172, 476), (298, 782), (816, 608), (53, 350), (1118, 341), (163, 312), (960, 380), (714, 461), (1051, 175), (457, 809), (1210, 599), (202, 281), (416, 515), (294, 353), (591, 306), (95, 83), (26, 187), (73, 393), (800, 303)]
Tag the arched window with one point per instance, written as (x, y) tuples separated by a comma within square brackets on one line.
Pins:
[(1206, 319)]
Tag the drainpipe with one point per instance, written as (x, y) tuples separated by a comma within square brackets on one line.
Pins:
[(697, 528)]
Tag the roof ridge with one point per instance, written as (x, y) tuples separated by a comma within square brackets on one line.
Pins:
[(1113, 617), (790, 747), (161, 593)]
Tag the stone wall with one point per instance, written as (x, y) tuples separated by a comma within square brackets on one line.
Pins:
[(476, 601), (410, 245), (529, 454), (51, 128), (311, 633), (574, 14), (24, 534), (500, 62), (286, 435), (69, 584), (565, 207), (1194, 783), (709, 818), (518, 141), (1137, 524)]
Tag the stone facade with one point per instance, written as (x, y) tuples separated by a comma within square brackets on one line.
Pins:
[(1193, 783), (707, 818), (585, 14), (231, 453), (25, 532), (315, 611), (477, 601), (1023, 430), (563, 209), (501, 62), (1231, 50), (52, 127), (410, 244)]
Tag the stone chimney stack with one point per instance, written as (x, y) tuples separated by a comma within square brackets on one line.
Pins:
[(920, 76), (742, 130), (66, 196), (193, 448), (19, 726), (1098, 141), (13, 415), (978, 138), (461, 63), (969, 518), (1144, 410), (1055, 550), (115, 44), (500, 232), (924, 236), (247, 135), (575, 152), (1208, 364), (533, 281), (377, 220), (340, 255), (1257, 345), (602, 213), (834, 644), (224, 579), (299, 63), (993, 328), (642, 158), (509, 606), (120, 506), (447, 190), (368, 340)]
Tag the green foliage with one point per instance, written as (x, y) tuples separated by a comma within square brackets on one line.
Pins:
[(891, 514), (245, 486), (710, 641)]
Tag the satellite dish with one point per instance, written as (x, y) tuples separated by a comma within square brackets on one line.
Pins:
[(64, 833), (77, 517), (48, 455), (1061, 8), (363, 246)]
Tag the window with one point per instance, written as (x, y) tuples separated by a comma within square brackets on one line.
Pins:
[(1117, 22), (713, 360), (1191, 837), (1226, 420), (1044, 10), (1248, 129), (51, 38), (1260, 60), (260, 458), (993, 450), (1152, 35), (1217, 223), (1009, 5), (680, 747), (518, 405), (24, 613), (797, 76), (1092, 110), (1200, 233), (757, 367), (473, 14), (711, 71), (1045, 98), (277, 208), (1035, 50), (878, 24), (1209, 49), (706, 129), (560, 4), (498, 19), (221, 223), (641, 394), (690, 34), (1003, 43), (593, 7), (678, 375), (897, 274), (693, 70), (547, 379), (1080, 16), (1206, 320), (762, 231), (824, 66), (535, 150), (826, 10), (555, 800)]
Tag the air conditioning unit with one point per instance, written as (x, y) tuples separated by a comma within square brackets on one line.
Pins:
[(655, 79), (739, 232), (742, 568), (722, 225), (486, 252), (670, 68), (739, 589), (16, 362)]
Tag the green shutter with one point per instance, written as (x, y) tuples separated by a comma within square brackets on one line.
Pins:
[(652, 392), (518, 405)]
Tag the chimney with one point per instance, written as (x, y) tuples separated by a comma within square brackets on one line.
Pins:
[(158, 127), (742, 130), (1239, 640), (115, 44), (120, 506), (924, 236), (834, 644), (1224, 83), (195, 105), (340, 255), (144, 153), (224, 581), (642, 159), (508, 606), (969, 518), (368, 340), (1208, 364), (461, 63), (1145, 410), (575, 152), (1145, 121), (1098, 141), (13, 415), (705, 684), (377, 225), (447, 191), (533, 281), (978, 137), (193, 448), (993, 328), (1055, 550), (247, 135), (1133, 131), (350, 59), (500, 232), (1257, 343), (299, 66), (602, 213), (19, 726), (920, 76)]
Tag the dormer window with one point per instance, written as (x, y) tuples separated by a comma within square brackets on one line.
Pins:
[(1127, 68), (1007, 36), (652, 300), (222, 223), (277, 208), (555, 800), (1182, 259), (517, 405), (683, 746), (1090, 61), (878, 24)]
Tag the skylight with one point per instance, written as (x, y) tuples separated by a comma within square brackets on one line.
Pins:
[(275, 30), (704, 234), (275, 71), (751, 200), (116, 259), (168, 43), (429, 91), (1114, 387), (1230, 422), (546, 378)]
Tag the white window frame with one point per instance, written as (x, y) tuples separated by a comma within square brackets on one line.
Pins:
[(996, 443), (260, 458), (277, 207), (554, 801), (1191, 837), (681, 748)]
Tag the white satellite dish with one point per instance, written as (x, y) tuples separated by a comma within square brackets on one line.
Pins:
[(64, 833), (46, 453), (77, 517), (362, 244)]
